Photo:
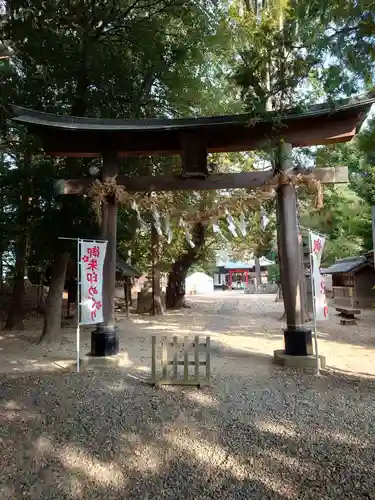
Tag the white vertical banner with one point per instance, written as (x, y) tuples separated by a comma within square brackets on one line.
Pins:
[(317, 242), (91, 263)]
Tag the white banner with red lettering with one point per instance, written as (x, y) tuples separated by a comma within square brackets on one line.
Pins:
[(317, 242), (92, 254)]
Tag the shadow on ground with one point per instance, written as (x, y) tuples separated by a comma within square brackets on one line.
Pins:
[(107, 435)]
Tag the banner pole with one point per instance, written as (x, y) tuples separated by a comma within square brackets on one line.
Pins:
[(78, 301), (314, 306)]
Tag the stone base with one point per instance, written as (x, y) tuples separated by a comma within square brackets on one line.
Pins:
[(104, 341), (298, 341), (304, 362), (117, 361)]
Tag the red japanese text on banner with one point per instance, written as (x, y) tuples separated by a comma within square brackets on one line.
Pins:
[(316, 247), (92, 255)]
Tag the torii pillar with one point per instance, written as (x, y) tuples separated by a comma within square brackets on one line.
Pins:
[(298, 341), (104, 340)]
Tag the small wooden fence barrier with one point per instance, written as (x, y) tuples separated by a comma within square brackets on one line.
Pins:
[(180, 348)]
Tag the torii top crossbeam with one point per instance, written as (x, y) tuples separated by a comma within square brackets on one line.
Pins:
[(88, 137)]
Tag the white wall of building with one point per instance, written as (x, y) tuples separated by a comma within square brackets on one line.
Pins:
[(199, 284)]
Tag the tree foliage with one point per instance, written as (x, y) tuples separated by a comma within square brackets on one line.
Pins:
[(293, 52), (174, 58)]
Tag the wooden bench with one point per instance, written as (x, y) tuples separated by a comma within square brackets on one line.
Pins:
[(348, 315)]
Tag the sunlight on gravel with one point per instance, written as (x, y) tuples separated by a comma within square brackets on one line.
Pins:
[(259, 432)]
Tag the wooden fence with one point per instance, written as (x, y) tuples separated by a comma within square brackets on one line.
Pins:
[(179, 348)]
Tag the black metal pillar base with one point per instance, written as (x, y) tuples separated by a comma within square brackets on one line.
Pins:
[(104, 341), (298, 341)]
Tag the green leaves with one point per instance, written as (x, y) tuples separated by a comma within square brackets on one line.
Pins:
[(290, 52), (158, 58), (119, 58)]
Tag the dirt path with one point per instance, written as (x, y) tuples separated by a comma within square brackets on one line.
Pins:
[(246, 324)]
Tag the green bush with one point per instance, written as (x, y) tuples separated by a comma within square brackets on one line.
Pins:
[(274, 273)]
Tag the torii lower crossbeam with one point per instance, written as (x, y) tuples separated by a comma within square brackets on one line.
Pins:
[(240, 180), (297, 338)]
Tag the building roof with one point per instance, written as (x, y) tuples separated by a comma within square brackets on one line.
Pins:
[(74, 136), (347, 265), (126, 269), (245, 265)]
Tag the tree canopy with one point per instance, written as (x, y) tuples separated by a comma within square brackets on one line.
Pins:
[(176, 58)]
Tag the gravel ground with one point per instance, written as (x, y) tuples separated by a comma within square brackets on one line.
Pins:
[(109, 436), (259, 432)]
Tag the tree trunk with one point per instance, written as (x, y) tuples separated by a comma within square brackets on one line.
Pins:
[(130, 298), (2, 157), (258, 274), (279, 295), (16, 310), (176, 279), (52, 315), (127, 294), (40, 296), (156, 305), (1, 271), (175, 294)]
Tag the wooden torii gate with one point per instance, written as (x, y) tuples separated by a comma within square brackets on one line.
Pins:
[(193, 139)]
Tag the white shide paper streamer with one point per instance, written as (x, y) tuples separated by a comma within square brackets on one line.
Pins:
[(243, 224), (231, 225), (143, 225), (264, 220), (182, 224), (216, 229), (167, 228), (156, 217)]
